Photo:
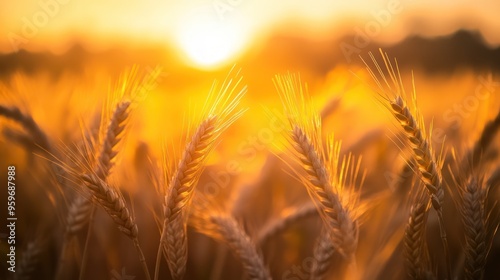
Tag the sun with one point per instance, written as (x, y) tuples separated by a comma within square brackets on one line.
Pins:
[(209, 42)]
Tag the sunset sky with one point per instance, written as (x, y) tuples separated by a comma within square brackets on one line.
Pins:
[(212, 31)]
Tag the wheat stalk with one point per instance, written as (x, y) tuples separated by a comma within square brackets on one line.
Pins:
[(181, 191), (221, 226), (475, 231), (428, 166), (217, 117), (325, 176), (344, 227), (413, 129), (422, 151), (242, 246), (81, 209), (474, 220), (415, 248), (96, 169), (114, 135), (113, 203)]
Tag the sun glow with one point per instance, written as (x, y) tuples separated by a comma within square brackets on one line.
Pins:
[(209, 42)]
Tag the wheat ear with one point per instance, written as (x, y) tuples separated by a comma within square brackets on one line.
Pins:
[(78, 214), (242, 247), (217, 117), (325, 176), (99, 170), (474, 219), (221, 226), (108, 148), (181, 191), (428, 166), (415, 248), (114, 135), (114, 204), (344, 227), (80, 208), (323, 254)]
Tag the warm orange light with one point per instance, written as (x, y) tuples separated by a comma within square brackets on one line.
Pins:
[(209, 42)]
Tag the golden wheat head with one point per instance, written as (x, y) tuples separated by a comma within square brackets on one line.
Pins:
[(218, 113), (325, 175)]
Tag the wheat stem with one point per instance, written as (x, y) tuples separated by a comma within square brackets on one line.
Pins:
[(142, 259), (90, 228)]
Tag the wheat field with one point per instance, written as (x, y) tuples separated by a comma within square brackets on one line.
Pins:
[(367, 173)]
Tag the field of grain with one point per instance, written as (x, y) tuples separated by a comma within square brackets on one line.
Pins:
[(369, 172), (231, 139)]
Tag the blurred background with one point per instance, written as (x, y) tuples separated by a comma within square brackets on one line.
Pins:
[(451, 47)]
